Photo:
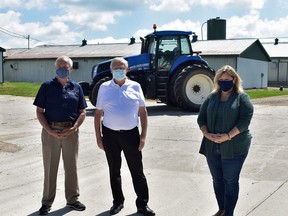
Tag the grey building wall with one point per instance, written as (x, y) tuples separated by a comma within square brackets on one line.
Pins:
[(250, 70), (278, 72), (216, 62), (254, 73), (40, 70)]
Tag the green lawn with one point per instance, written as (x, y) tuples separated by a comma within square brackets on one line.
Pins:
[(270, 92), (30, 90), (19, 88)]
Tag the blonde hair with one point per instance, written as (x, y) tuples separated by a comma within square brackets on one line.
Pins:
[(232, 72)]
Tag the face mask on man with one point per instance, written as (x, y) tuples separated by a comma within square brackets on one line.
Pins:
[(225, 85), (119, 74), (62, 72)]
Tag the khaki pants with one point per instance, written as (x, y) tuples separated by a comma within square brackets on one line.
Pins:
[(51, 150)]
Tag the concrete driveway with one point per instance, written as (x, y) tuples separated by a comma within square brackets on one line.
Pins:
[(178, 177)]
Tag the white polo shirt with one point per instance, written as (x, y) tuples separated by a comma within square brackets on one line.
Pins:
[(120, 104)]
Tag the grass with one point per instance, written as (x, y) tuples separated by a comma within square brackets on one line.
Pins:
[(261, 93), (28, 89)]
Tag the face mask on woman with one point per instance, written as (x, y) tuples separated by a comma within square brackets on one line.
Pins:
[(225, 85), (119, 74), (62, 72)]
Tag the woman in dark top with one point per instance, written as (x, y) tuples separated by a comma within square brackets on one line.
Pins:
[(224, 119)]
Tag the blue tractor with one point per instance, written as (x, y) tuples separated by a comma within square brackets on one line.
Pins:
[(167, 69)]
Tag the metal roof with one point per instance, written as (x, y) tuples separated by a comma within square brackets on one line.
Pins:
[(75, 51), (207, 47), (277, 51), (222, 47)]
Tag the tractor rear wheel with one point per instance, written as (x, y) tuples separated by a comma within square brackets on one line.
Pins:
[(192, 86), (94, 93), (172, 99)]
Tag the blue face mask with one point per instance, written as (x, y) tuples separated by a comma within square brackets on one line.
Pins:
[(62, 72), (119, 74), (225, 85)]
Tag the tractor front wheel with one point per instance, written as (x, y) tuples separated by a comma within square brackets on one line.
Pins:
[(192, 86), (94, 94)]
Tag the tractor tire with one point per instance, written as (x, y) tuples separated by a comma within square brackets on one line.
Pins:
[(192, 86), (172, 99), (94, 94)]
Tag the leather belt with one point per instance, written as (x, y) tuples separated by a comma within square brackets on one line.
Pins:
[(61, 124)]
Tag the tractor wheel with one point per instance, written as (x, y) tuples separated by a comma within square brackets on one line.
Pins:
[(192, 86), (172, 99), (94, 93)]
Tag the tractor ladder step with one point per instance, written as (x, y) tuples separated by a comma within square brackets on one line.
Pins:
[(161, 85)]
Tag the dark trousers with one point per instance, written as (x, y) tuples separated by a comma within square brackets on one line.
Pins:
[(128, 141), (225, 174)]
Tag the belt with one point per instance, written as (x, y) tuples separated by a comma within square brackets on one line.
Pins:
[(119, 131), (61, 124)]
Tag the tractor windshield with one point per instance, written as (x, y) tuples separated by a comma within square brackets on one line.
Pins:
[(170, 48)]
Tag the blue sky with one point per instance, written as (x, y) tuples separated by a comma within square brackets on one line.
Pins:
[(59, 22)]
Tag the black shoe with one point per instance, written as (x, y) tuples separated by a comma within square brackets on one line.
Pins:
[(44, 210), (116, 208), (219, 213), (146, 211), (78, 206)]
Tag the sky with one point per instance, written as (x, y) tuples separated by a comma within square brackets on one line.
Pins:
[(30, 23)]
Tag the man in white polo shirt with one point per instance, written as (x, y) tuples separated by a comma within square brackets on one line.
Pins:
[(120, 103)]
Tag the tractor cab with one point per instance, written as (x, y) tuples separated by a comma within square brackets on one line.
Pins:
[(165, 47)]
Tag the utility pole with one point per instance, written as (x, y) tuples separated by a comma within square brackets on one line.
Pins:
[(28, 38)]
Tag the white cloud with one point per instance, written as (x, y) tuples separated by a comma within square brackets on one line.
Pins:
[(228, 4), (109, 40), (86, 17), (187, 5), (23, 4), (251, 25), (91, 20), (55, 32), (169, 5)]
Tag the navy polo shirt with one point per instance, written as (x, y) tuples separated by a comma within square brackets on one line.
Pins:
[(61, 104)]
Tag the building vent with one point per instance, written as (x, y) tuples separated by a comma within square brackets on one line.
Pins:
[(84, 43), (132, 40), (216, 29)]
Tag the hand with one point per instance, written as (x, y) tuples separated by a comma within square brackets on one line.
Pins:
[(217, 138), (67, 132), (100, 143), (141, 144), (62, 134), (54, 133)]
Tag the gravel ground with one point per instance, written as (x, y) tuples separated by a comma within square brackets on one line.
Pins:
[(272, 101)]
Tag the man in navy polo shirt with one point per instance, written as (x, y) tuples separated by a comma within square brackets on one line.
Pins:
[(60, 110), (122, 102)]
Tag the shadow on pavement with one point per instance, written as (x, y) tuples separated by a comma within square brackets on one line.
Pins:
[(58, 212)]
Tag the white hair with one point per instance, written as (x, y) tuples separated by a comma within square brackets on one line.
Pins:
[(61, 59), (119, 59)]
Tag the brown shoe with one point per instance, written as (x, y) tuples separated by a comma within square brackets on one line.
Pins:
[(220, 213)]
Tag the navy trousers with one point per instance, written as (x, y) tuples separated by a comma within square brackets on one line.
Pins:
[(225, 174)]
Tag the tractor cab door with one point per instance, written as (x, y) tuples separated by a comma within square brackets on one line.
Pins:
[(169, 49)]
